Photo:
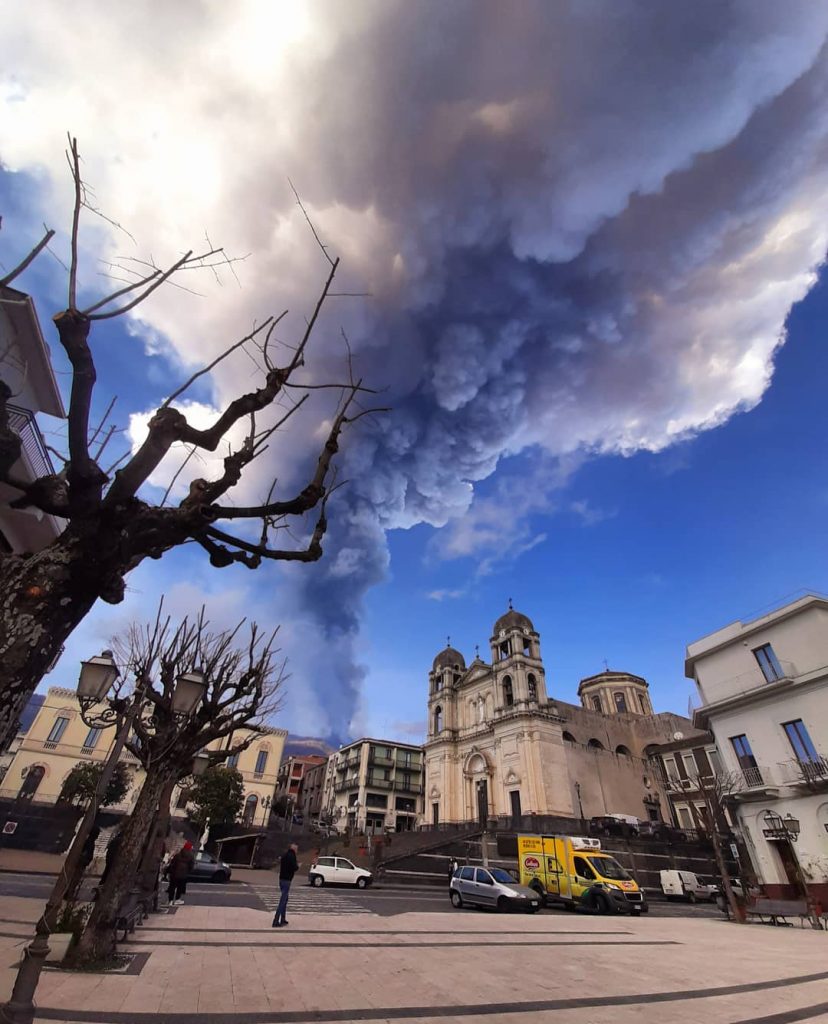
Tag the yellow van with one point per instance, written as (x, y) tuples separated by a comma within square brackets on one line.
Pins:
[(563, 868)]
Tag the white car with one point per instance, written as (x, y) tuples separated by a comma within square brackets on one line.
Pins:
[(338, 871)]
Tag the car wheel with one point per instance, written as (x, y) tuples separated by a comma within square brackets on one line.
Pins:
[(456, 898), (532, 910), (636, 912), (691, 897), (361, 883), (317, 880), (502, 904), (221, 876), (645, 910)]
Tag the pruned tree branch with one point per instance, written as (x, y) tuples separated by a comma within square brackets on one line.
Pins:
[(24, 263)]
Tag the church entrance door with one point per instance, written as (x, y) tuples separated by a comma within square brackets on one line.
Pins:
[(482, 801)]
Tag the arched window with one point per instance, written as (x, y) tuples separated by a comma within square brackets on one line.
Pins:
[(533, 687), (508, 693), (250, 805), (438, 719), (645, 704), (569, 738), (34, 776), (595, 744), (438, 684), (620, 702), (624, 751), (596, 703)]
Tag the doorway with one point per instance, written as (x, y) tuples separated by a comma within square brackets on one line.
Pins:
[(482, 801), (514, 799), (788, 858)]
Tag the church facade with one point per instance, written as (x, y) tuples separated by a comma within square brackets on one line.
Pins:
[(499, 746)]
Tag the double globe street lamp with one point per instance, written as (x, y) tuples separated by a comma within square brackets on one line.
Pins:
[(98, 710)]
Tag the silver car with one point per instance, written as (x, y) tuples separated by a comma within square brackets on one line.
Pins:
[(491, 887)]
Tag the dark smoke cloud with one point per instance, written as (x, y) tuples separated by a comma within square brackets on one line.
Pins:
[(583, 225)]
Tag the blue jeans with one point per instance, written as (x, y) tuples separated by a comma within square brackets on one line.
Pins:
[(281, 910)]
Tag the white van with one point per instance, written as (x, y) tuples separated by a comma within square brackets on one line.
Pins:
[(685, 885)]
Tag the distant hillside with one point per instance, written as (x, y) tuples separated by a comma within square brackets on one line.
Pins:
[(299, 746)]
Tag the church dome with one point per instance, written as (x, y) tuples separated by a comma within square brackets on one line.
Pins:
[(448, 658), (513, 620)]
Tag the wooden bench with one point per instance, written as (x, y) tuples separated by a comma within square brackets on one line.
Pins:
[(132, 912), (776, 911)]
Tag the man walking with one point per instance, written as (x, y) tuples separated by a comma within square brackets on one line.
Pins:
[(178, 869), (288, 866)]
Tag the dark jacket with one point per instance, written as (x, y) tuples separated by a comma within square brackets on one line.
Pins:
[(288, 866), (181, 865)]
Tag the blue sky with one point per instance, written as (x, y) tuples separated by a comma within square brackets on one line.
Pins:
[(715, 529), (573, 288)]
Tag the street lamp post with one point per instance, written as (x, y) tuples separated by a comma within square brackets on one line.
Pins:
[(787, 829), (97, 676)]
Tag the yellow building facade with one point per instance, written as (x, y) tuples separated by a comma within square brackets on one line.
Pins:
[(58, 739)]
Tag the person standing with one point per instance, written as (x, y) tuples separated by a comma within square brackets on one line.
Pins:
[(452, 868), (178, 870), (288, 866)]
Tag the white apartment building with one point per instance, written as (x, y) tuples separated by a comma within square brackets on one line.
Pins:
[(26, 368), (764, 688), (374, 786)]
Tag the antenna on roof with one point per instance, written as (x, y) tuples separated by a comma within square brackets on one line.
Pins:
[(448, 641), (510, 604), (606, 666)]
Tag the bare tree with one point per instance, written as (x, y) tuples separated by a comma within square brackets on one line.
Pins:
[(110, 526), (244, 684), (716, 789)]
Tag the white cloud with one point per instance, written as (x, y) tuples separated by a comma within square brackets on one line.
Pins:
[(447, 594), (583, 236)]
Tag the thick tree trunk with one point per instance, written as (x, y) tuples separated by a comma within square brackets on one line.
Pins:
[(44, 596), (98, 940)]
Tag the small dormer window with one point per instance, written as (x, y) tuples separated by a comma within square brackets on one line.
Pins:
[(620, 702), (596, 703)]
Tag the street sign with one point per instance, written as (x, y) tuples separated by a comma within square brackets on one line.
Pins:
[(9, 828)]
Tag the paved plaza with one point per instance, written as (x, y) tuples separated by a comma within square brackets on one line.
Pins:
[(225, 965)]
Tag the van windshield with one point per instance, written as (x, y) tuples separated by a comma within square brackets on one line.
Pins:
[(608, 867)]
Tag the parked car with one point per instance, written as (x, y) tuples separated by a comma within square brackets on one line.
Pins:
[(207, 868), (320, 828), (609, 825), (661, 830), (338, 871), (491, 887), (688, 886)]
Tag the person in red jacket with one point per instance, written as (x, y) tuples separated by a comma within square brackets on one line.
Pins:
[(178, 870)]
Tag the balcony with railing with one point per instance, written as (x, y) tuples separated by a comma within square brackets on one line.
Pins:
[(351, 783), (414, 765), (33, 447), (813, 773), (376, 783), (377, 758), (757, 780)]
